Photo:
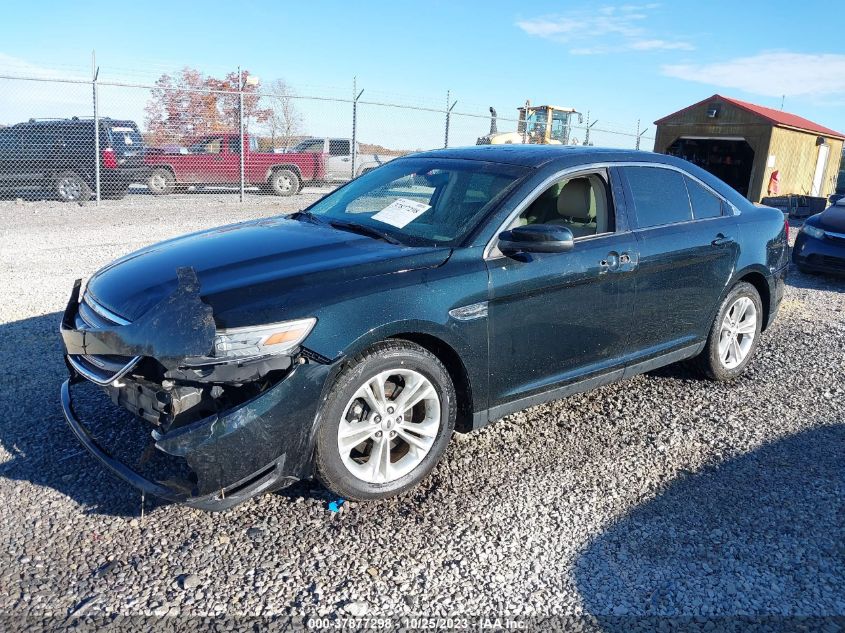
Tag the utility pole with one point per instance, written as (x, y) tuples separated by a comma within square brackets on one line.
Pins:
[(355, 96), (448, 116), (587, 132)]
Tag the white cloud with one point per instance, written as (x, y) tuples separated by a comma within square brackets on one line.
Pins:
[(622, 28), (661, 45), (770, 74)]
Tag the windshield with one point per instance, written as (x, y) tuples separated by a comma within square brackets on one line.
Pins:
[(423, 200)]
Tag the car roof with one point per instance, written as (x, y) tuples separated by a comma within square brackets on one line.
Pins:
[(541, 155), (566, 156)]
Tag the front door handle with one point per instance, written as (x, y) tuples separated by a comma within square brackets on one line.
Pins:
[(609, 263), (722, 239)]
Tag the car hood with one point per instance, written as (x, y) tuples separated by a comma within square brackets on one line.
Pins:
[(831, 219), (246, 262)]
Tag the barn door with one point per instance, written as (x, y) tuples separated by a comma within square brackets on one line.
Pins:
[(821, 166)]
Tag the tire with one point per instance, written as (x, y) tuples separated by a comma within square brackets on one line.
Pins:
[(349, 472), (161, 182), (284, 182), (71, 187), (720, 359)]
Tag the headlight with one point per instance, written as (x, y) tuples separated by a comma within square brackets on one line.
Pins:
[(261, 340), (813, 231)]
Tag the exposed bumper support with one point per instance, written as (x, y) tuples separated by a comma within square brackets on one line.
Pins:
[(263, 444)]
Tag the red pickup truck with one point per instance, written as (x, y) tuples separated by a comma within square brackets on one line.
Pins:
[(214, 159)]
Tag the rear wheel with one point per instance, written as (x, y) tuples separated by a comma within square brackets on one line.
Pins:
[(71, 187), (386, 423), (161, 182), (284, 182), (734, 334)]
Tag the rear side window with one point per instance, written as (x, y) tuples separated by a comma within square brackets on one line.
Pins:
[(310, 147), (660, 196), (704, 203)]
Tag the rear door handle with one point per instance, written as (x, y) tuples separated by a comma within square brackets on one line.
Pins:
[(722, 239)]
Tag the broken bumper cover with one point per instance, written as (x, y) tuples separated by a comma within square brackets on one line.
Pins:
[(223, 454), (261, 445)]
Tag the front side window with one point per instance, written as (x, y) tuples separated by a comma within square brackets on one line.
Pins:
[(704, 203), (660, 196), (339, 147), (421, 201), (580, 203)]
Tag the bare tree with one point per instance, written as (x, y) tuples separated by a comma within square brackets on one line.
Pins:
[(284, 121)]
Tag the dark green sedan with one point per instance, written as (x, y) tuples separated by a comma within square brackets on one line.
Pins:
[(437, 293)]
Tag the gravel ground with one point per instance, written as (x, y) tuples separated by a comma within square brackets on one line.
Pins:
[(661, 496)]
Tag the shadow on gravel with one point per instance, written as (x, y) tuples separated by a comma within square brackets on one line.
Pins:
[(815, 281), (762, 534), (44, 451)]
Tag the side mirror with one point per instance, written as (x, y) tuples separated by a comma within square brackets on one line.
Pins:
[(536, 238)]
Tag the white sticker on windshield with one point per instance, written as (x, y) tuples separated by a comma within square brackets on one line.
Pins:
[(401, 212)]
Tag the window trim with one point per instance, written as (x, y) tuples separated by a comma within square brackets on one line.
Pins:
[(492, 243)]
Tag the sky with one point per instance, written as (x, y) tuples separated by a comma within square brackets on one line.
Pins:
[(621, 61)]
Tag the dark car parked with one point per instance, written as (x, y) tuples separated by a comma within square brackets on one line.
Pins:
[(820, 244), (438, 292), (58, 154)]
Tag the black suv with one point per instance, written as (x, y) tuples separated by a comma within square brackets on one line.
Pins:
[(59, 154)]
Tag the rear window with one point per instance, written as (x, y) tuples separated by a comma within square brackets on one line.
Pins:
[(125, 137), (660, 196)]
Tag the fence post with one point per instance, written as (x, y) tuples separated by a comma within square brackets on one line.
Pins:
[(241, 128), (448, 117), (95, 71), (355, 96)]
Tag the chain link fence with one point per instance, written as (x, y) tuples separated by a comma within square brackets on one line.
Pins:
[(188, 133)]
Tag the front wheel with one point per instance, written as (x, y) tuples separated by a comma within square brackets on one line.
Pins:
[(734, 334), (284, 182), (386, 423)]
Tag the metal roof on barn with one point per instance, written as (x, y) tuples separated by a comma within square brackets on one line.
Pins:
[(775, 117)]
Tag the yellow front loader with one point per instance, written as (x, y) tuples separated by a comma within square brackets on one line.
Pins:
[(538, 125)]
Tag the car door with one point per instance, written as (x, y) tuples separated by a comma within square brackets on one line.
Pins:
[(211, 162), (686, 236), (11, 167), (339, 160), (556, 318)]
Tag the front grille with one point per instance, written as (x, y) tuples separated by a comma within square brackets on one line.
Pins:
[(101, 369)]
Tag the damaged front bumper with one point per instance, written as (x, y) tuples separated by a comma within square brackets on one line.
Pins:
[(232, 447)]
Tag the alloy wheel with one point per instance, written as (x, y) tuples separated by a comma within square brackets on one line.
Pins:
[(739, 327), (69, 187), (389, 426)]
